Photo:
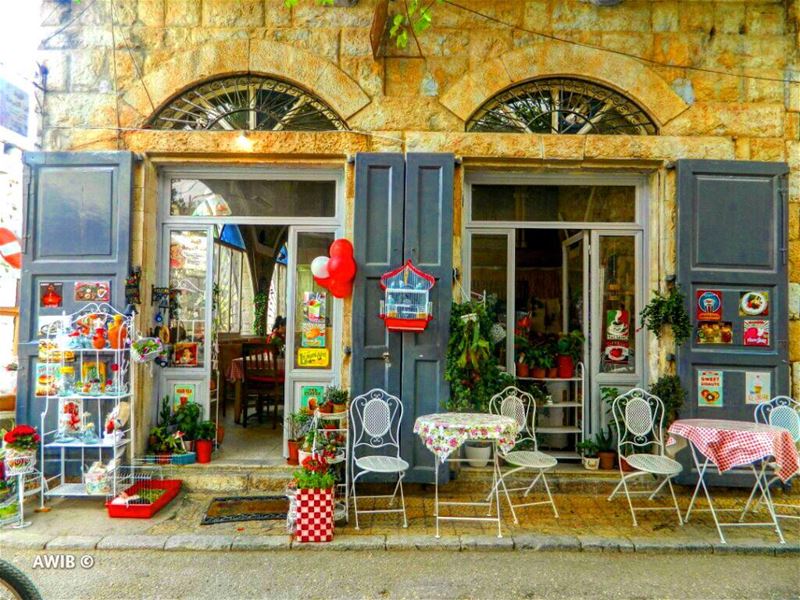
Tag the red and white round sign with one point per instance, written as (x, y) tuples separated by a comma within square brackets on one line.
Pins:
[(10, 248)]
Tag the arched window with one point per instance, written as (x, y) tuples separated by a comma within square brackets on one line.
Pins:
[(247, 102), (561, 105)]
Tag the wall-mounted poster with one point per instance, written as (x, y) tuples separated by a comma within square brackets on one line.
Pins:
[(311, 396), (709, 305), (753, 304), (313, 357), (183, 393), (715, 333), (313, 325), (313, 335), (709, 388), (46, 382), (50, 294), (756, 332), (92, 291), (758, 386), (185, 354), (618, 325)]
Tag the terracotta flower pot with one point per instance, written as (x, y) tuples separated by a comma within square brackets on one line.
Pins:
[(522, 370), (163, 458), (294, 447), (566, 366), (326, 408), (552, 372), (624, 465), (220, 433), (606, 460), (203, 448), (539, 372), (340, 408)]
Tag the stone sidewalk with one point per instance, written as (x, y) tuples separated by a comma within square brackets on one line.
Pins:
[(588, 523)]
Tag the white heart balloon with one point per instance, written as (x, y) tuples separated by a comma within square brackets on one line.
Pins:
[(319, 267)]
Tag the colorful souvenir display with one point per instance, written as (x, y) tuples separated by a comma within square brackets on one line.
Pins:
[(406, 305)]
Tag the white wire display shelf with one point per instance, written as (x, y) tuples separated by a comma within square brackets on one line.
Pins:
[(550, 378), (69, 374)]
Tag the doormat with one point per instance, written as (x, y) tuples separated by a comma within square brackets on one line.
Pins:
[(233, 509)]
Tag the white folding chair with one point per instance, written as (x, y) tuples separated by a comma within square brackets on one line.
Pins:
[(520, 406), (639, 420), (781, 411), (375, 425)]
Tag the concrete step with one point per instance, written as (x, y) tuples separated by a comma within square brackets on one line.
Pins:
[(231, 479)]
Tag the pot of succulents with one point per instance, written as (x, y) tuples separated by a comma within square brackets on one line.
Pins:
[(337, 398), (206, 432), (20, 444), (604, 440), (314, 501), (570, 351), (588, 452)]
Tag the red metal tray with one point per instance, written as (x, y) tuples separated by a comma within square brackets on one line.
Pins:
[(145, 511)]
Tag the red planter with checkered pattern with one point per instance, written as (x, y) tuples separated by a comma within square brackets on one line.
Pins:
[(314, 522)]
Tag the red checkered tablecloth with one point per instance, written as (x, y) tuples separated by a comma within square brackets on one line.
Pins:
[(731, 444)]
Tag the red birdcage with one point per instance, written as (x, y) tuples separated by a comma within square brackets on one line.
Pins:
[(406, 305)]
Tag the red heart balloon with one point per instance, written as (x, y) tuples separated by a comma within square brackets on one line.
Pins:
[(341, 289), (342, 268), (341, 247), (326, 282)]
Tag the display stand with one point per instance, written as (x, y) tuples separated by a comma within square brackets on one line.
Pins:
[(101, 380), (341, 509), (574, 407)]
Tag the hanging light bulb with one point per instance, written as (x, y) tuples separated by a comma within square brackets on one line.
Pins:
[(243, 142)]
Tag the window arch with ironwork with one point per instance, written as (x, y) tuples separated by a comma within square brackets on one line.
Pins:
[(247, 102), (561, 105)]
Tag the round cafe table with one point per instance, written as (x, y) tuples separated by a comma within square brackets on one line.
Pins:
[(444, 433), (728, 444)]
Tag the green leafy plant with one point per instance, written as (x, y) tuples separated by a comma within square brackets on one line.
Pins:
[(299, 422), (186, 418), (587, 448), (669, 309), (162, 441), (260, 302), (541, 356), (314, 475), (293, 3), (571, 344), (206, 430), (165, 414), (672, 394), (472, 369), (604, 440), (521, 349)]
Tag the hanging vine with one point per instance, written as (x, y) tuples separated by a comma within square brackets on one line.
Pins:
[(669, 309)]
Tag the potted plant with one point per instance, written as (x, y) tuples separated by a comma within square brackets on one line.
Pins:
[(337, 398), (521, 348), (478, 453), (668, 310), (298, 422), (588, 452), (606, 453), (570, 351), (314, 501), (672, 394), (20, 444), (185, 418), (206, 432), (307, 447), (541, 360)]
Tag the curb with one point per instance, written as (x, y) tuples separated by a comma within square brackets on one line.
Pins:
[(524, 542)]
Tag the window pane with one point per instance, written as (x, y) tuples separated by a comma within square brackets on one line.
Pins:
[(593, 204), (489, 275), (313, 306), (236, 290), (248, 301), (252, 198), (223, 289), (187, 277), (617, 284)]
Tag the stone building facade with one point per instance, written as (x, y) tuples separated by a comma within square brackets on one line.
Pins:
[(715, 77)]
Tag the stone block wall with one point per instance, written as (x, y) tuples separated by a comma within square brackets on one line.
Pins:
[(112, 62)]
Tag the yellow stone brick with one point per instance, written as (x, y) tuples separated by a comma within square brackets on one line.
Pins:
[(765, 19), (233, 13), (767, 149), (404, 76), (368, 73), (182, 13), (537, 15), (665, 16), (713, 87), (696, 17), (730, 18), (742, 148), (794, 222), (794, 340), (507, 12), (148, 12)]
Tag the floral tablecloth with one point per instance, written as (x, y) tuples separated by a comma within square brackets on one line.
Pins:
[(443, 433)]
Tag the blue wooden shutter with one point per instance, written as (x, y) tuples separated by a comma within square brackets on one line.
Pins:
[(732, 238), (429, 243), (77, 214)]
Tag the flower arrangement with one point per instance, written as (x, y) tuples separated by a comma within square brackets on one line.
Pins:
[(314, 474), (23, 438)]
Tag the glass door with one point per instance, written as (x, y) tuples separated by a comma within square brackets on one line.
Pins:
[(617, 361)]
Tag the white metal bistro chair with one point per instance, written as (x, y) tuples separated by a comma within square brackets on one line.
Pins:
[(375, 423), (639, 420), (781, 411), (520, 406)]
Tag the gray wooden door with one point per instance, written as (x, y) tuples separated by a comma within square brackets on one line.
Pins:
[(732, 240), (403, 210), (76, 228)]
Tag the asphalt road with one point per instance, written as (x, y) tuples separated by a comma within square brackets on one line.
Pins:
[(416, 574)]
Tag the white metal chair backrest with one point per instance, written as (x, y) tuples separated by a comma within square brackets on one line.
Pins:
[(520, 406), (639, 419), (781, 411), (375, 422)]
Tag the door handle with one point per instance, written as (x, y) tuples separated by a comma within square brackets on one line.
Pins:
[(387, 358)]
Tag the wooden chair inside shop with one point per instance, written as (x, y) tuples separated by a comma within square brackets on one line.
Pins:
[(261, 382)]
